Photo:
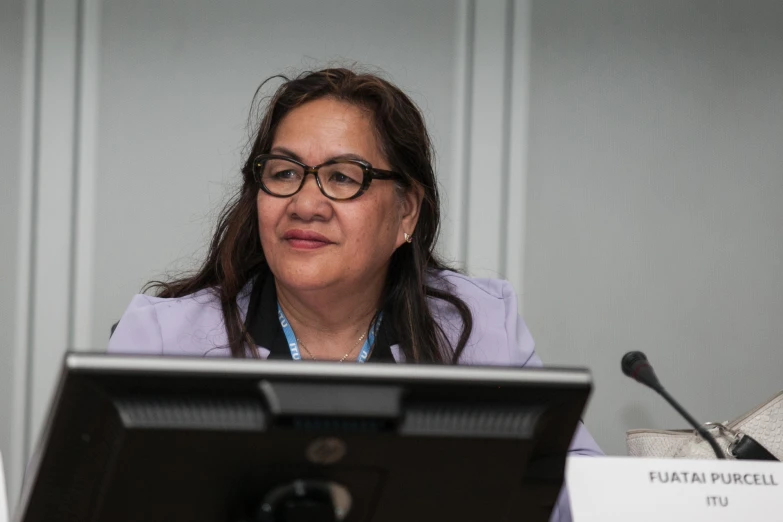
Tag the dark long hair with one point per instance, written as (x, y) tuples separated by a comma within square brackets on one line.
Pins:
[(235, 255)]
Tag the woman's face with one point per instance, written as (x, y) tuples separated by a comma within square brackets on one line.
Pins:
[(312, 242)]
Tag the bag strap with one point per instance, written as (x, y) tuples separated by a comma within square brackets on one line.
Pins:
[(746, 447)]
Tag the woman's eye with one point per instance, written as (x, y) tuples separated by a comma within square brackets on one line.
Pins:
[(339, 177), (285, 174)]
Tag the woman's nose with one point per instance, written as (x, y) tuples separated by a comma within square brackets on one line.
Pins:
[(310, 185), (309, 202)]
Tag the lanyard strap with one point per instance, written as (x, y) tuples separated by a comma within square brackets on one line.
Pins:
[(293, 345)]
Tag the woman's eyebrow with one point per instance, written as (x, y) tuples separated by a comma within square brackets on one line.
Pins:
[(344, 156), (285, 152), (348, 156)]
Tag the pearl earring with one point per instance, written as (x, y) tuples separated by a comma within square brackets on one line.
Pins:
[(408, 237)]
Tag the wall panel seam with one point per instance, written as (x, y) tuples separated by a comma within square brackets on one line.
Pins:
[(505, 193), (464, 107), (81, 318), (52, 209), (19, 402), (76, 160), (518, 136)]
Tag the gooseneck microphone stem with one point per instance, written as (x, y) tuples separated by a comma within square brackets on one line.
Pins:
[(636, 366), (706, 435)]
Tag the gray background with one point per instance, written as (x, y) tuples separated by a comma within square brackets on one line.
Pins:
[(655, 202), (653, 173), (11, 40)]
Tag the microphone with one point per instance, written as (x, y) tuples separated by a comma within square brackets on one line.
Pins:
[(636, 366)]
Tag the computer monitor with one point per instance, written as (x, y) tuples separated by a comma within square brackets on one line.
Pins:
[(180, 439)]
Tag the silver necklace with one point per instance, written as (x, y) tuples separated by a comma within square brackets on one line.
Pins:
[(344, 357)]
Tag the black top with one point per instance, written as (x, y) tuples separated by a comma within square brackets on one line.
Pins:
[(264, 327)]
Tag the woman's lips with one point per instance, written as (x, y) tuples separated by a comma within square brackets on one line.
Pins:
[(306, 239), (306, 244)]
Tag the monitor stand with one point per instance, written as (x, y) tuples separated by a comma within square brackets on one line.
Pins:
[(305, 501)]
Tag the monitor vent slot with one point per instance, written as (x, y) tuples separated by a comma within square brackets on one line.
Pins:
[(191, 413), (334, 424), (477, 421)]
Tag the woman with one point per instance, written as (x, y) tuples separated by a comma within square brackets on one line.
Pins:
[(339, 265)]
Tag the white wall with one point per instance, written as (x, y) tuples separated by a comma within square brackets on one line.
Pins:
[(11, 45), (17, 63), (655, 202)]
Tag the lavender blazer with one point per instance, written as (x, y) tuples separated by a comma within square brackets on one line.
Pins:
[(193, 326)]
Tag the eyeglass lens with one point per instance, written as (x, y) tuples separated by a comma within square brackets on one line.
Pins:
[(283, 178)]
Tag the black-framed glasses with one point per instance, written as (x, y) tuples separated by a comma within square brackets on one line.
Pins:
[(338, 179)]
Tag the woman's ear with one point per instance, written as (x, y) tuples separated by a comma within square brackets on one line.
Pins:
[(410, 207)]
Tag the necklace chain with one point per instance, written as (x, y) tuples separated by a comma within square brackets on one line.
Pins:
[(344, 357)]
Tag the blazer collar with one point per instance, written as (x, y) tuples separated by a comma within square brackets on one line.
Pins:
[(264, 327)]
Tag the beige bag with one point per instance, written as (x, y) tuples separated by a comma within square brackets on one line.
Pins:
[(764, 424)]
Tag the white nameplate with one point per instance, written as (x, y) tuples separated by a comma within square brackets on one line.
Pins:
[(3, 502), (652, 490)]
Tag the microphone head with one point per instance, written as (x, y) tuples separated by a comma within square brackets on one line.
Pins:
[(636, 366), (631, 360)]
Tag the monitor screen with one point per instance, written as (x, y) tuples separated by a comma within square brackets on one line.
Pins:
[(174, 439)]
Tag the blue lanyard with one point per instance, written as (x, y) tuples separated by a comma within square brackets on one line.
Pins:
[(293, 345)]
